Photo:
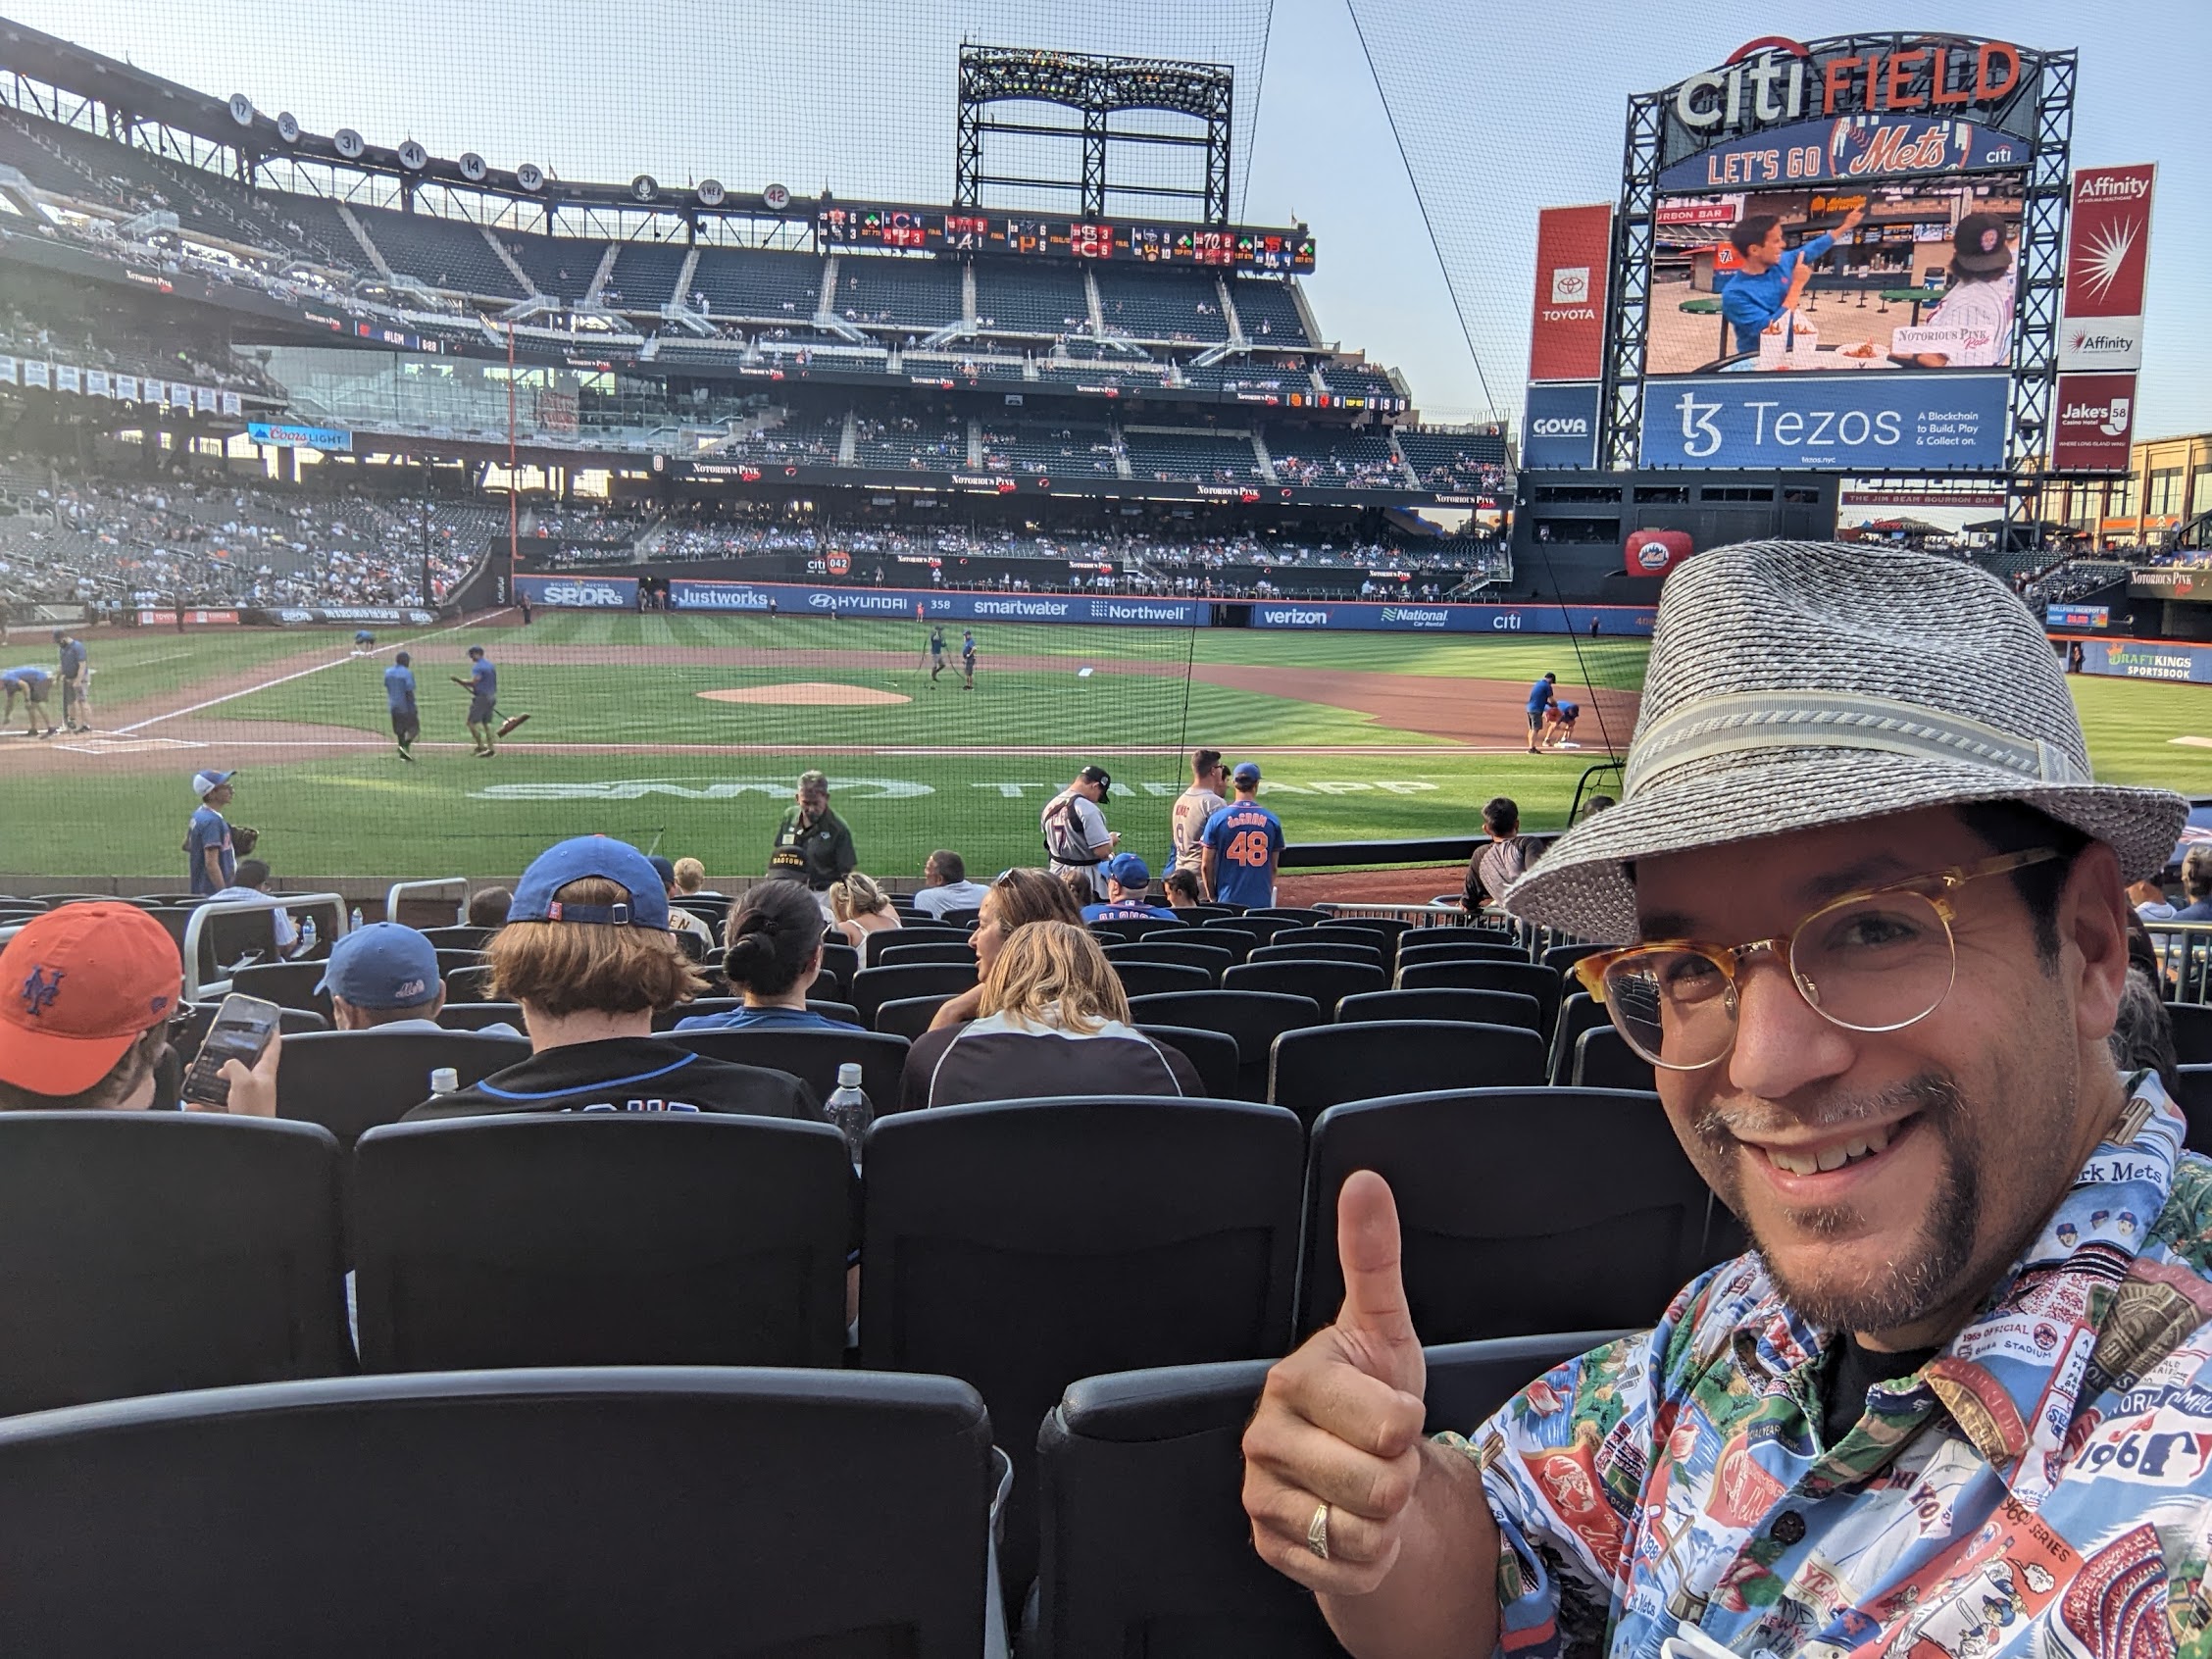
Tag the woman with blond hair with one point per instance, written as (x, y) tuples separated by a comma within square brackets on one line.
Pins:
[(858, 907), (1054, 1021), (1015, 901)]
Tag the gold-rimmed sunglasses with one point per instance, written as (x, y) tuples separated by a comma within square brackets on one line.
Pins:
[(1873, 961)]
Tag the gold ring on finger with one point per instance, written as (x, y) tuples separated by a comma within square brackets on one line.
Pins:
[(1316, 1532)]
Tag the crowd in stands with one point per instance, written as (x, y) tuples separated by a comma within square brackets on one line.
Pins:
[(220, 541)]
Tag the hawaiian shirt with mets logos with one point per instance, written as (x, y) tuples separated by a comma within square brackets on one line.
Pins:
[(2041, 1489)]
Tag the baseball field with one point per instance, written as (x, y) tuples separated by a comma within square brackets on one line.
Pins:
[(687, 733)]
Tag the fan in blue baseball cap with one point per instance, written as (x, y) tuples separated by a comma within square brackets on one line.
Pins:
[(587, 955), (385, 977), (1128, 877)]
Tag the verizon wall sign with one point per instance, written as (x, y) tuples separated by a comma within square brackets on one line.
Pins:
[(2092, 422), (2107, 253)]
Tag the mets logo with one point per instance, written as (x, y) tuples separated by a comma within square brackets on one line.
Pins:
[(40, 989)]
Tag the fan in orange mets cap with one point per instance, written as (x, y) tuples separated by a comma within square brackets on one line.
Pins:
[(77, 986)]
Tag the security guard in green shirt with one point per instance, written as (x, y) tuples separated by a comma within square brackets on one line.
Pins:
[(812, 843)]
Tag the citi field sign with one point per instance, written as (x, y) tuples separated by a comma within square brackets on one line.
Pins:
[(1776, 81)]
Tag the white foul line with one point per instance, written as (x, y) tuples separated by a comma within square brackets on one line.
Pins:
[(282, 679)]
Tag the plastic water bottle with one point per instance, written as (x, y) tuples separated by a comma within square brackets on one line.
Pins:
[(307, 936), (847, 1107), (354, 923), (444, 1081)]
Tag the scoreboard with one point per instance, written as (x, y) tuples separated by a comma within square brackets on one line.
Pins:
[(976, 231)]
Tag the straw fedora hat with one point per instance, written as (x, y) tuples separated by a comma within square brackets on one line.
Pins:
[(1795, 684)]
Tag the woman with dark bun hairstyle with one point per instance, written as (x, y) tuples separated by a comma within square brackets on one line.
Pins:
[(775, 955)]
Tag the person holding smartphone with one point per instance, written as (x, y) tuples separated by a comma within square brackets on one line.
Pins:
[(89, 990)]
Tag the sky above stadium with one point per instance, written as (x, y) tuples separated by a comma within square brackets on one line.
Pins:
[(1503, 111)]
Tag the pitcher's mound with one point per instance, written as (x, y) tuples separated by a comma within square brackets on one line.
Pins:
[(808, 693)]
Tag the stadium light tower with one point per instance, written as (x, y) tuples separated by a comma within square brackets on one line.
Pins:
[(1096, 88)]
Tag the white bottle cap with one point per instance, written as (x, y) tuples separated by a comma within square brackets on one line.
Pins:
[(444, 1081), (848, 1075)]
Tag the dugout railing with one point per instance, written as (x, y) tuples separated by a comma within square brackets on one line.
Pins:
[(2185, 959), (206, 943)]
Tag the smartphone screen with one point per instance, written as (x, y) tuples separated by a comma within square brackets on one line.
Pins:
[(242, 1028)]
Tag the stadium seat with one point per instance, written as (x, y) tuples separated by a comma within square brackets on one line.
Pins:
[(830, 1010), (1264, 928), (288, 984), (2192, 1032), (872, 987), (930, 950), (1293, 914), (350, 1081), (1212, 1055), (468, 985), (1324, 1066), (1490, 1007), (692, 1511), (2194, 1099), (1132, 928), (459, 938), (1463, 947), (598, 1239), (1335, 932), (813, 1057), (1564, 956), (1603, 1059), (1176, 953), (1240, 941), (1156, 978), (1254, 1018), (1020, 1245), (449, 959), (1528, 978), (468, 1015), (839, 963), (1578, 1013), (874, 944), (714, 911), (1144, 1545), (907, 1017), (147, 1251), (1490, 1250), (1319, 950), (665, 1019), (963, 919), (1327, 982)]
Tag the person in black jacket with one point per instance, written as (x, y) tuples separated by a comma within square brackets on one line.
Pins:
[(587, 953), (1054, 1021)]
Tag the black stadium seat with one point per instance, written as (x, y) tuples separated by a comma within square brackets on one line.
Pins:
[(839, 963), (1603, 1059), (1145, 1547), (1579, 1013), (459, 938), (1212, 1054), (350, 1081), (288, 984), (1489, 1249), (907, 1017), (468, 985), (691, 1511), (1326, 1066), (2192, 1032), (872, 987), (813, 1057), (1176, 953), (2194, 1099), (873, 945), (1490, 1007), (1327, 982), (1021, 1245), (592, 1238), (1156, 978), (147, 1251), (1542, 983), (1466, 945), (928, 950), (468, 1016), (1319, 950), (1255, 1019), (1132, 929)]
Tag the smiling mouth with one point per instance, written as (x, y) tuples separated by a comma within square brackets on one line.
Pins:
[(1859, 1148)]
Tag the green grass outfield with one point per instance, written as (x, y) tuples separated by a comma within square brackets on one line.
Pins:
[(621, 742)]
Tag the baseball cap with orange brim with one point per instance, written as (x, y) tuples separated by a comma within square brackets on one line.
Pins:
[(78, 988)]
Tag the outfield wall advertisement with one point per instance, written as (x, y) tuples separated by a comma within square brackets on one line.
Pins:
[(2148, 659), (1617, 620), (931, 604)]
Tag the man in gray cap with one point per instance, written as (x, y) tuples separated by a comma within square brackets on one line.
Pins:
[(1870, 904)]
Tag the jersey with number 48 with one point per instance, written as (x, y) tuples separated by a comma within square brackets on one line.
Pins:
[(1248, 840)]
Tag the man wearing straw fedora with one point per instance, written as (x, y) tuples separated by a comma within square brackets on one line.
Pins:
[(1871, 933)]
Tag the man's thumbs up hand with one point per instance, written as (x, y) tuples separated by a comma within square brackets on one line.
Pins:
[(1332, 1454)]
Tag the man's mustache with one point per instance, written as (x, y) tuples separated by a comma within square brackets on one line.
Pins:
[(1931, 1093)]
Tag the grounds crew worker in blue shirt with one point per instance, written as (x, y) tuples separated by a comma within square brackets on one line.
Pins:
[(32, 683), (399, 695), (1243, 845), (76, 682), (483, 686), (1542, 696), (1771, 282), (1127, 878)]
